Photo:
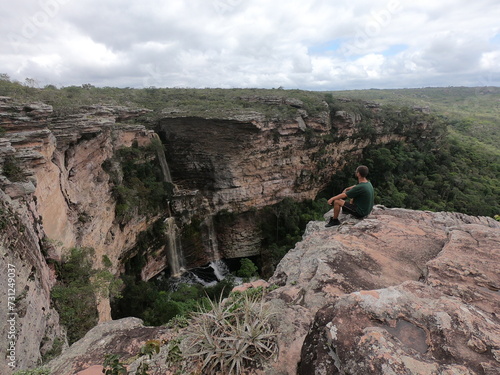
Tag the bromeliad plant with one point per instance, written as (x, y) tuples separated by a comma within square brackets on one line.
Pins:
[(231, 335)]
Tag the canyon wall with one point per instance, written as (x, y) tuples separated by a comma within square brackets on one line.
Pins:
[(243, 163), (57, 195)]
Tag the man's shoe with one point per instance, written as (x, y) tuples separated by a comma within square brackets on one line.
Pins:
[(332, 223)]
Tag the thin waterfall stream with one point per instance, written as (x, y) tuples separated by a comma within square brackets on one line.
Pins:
[(163, 161), (217, 270), (174, 249)]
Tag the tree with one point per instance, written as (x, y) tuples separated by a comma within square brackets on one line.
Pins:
[(247, 269), (30, 82)]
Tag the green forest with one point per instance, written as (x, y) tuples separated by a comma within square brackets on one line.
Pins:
[(460, 172)]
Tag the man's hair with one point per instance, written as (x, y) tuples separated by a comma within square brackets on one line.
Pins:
[(362, 170)]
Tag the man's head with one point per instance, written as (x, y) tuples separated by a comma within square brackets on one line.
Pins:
[(362, 170)]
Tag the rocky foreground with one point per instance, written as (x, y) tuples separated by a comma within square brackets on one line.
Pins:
[(401, 292)]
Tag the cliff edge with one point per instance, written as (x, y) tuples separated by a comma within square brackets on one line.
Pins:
[(400, 292)]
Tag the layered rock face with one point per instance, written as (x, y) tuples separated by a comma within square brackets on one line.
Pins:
[(55, 195), (61, 159), (30, 325), (243, 163), (238, 164)]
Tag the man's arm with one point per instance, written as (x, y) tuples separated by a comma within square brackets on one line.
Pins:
[(348, 188), (339, 196), (342, 195)]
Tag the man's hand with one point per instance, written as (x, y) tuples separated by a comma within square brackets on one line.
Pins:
[(333, 199)]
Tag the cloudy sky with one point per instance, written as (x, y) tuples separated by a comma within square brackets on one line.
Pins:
[(304, 44)]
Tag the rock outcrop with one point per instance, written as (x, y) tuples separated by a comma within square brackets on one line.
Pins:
[(54, 196), (400, 292), (62, 157), (123, 338), (30, 325)]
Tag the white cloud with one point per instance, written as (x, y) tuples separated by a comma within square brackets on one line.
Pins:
[(239, 43), (490, 61)]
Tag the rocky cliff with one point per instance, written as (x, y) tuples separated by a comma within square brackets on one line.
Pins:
[(55, 195), (242, 163), (400, 292), (57, 192)]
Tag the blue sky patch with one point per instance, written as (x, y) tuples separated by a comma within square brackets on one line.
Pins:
[(330, 46), (395, 49)]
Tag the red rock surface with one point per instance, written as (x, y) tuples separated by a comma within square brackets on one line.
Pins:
[(401, 292), (123, 338)]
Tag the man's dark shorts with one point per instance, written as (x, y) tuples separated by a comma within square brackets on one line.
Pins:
[(350, 208)]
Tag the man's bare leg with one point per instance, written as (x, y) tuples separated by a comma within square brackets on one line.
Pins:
[(337, 205)]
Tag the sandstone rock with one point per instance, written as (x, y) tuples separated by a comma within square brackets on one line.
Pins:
[(254, 284), (64, 154), (92, 370), (400, 292), (407, 329), (20, 189), (62, 181), (239, 237), (379, 251), (36, 322), (123, 337)]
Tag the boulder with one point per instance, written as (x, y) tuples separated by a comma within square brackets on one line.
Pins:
[(400, 292), (123, 337)]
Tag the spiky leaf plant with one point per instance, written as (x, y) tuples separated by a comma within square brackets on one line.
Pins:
[(231, 335)]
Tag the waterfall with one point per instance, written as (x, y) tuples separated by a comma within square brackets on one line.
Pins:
[(209, 275), (174, 249), (209, 238), (163, 161), (220, 268)]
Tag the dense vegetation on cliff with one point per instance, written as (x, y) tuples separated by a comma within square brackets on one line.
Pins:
[(473, 111), (448, 171), (458, 172)]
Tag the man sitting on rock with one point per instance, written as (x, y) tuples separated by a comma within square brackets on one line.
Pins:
[(361, 196)]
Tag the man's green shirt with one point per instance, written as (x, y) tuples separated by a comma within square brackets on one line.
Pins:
[(363, 196)]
